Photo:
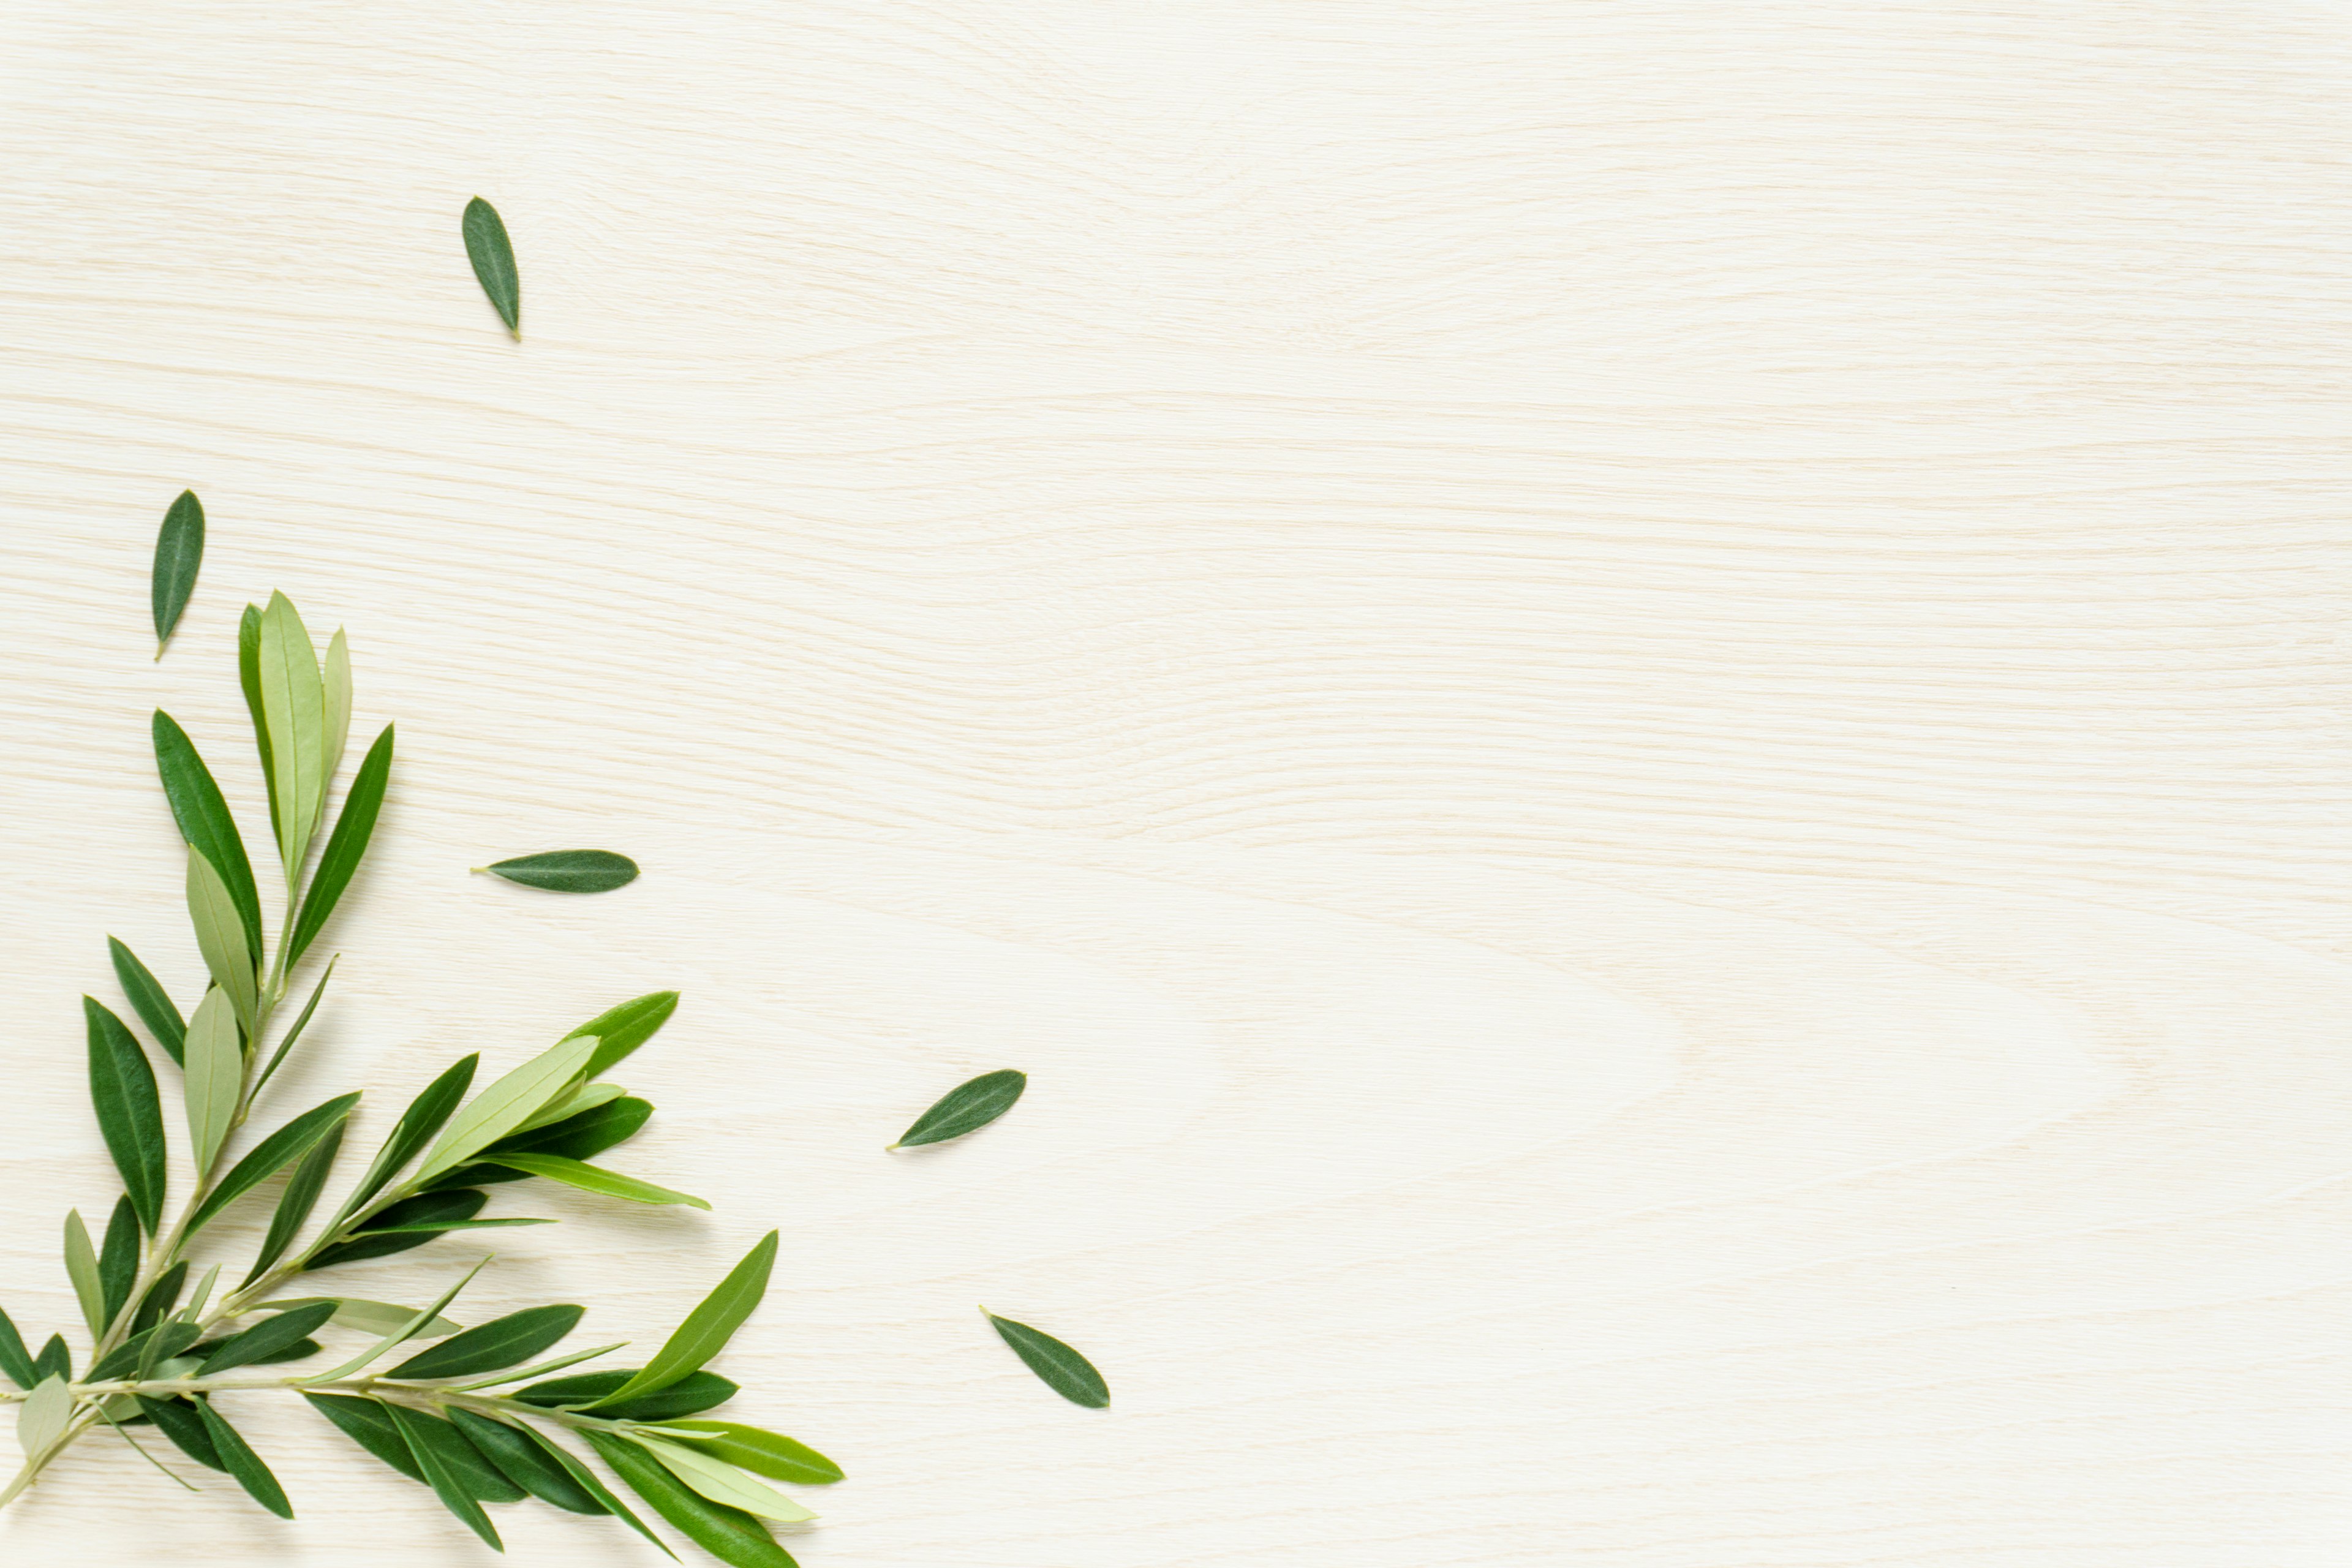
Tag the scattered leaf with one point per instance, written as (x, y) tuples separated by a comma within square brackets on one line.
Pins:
[(967, 1108), (179, 551), (568, 871), (1057, 1366), (494, 264)]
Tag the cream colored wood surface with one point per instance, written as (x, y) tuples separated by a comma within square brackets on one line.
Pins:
[(1637, 709)]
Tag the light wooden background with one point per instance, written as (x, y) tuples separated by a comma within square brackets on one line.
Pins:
[(1638, 709)]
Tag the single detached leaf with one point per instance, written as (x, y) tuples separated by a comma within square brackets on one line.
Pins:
[(215, 1070), (568, 871), (293, 700), (765, 1453), (271, 1155), (242, 1462), (365, 1422), (524, 1462), (502, 1341), (597, 1178), (336, 698), (149, 999), (730, 1534), (177, 1419), (81, 1267), (441, 1471), (967, 1108), (179, 551), (494, 262), (42, 1419), (417, 1125), (579, 1137), (118, 1258), (345, 847), (14, 1360), (248, 677), (55, 1360), (411, 1222), (130, 1116), (221, 939), (267, 1338), (722, 1482), (594, 1487), (368, 1317), (706, 1329), (1057, 1366), (620, 1030), (508, 1104), (204, 822), (294, 1205), (300, 1023), (689, 1395)]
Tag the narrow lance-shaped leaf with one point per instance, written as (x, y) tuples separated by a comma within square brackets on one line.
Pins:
[(248, 676), (42, 1419), (594, 1488), (14, 1360), (271, 1155), (722, 1482), (502, 1341), (582, 1098), (302, 1022), (267, 1338), (81, 1267), (967, 1108), (345, 847), (574, 1137), (295, 1204), (1057, 1366), (179, 551), (441, 1475), (727, 1533), (204, 822), (370, 1317), (568, 871), (690, 1395), (130, 1116), (620, 1030), (118, 1258), (244, 1466), (524, 1463), (767, 1452), (293, 702), (475, 1474), (537, 1369), (494, 264), (335, 690), (508, 1104), (161, 1297), (706, 1329), (148, 1000), (401, 1335), (597, 1178), (411, 1222), (215, 1077), (417, 1125), (178, 1420), (368, 1423), (221, 939)]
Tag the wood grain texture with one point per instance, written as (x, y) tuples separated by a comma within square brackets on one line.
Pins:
[(1637, 711)]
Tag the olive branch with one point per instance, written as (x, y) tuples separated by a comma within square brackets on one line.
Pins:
[(161, 1354)]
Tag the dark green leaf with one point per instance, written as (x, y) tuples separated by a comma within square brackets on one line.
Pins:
[(622, 1030), (425, 1208), (273, 1154), (707, 1328), (240, 1461), (727, 1533), (503, 1341), (130, 1117), (300, 1023), (967, 1108), (1057, 1366), (598, 1180), (417, 1127), (594, 1488), (568, 871), (164, 1341), (267, 1338), (14, 1360), (294, 1205), (55, 1361), (117, 1259), (437, 1227), (204, 822), (161, 1297), (148, 1000), (443, 1472), (178, 1420), (763, 1453), (579, 1137), (248, 676), (345, 847), (482, 1480), (524, 1463), (494, 262), (686, 1397), (365, 1422), (179, 551)]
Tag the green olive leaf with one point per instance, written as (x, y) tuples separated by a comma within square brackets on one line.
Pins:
[(179, 551), (81, 1267), (345, 847), (129, 1115), (42, 1419), (720, 1481), (706, 1329), (568, 871), (204, 822), (508, 1104), (501, 1343), (267, 1338), (271, 1155), (242, 1462), (221, 939), (967, 1108), (1057, 1366), (594, 1179), (368, 1317), (295, 1204), (294, 704), (620, 1030), (148, 1000), (730, 1534), (443, 1471), (766, 1453), (494, 264), (215, 1077)]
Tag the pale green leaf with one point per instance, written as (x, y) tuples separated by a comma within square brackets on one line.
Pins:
[(220, 937), (336, 701), (720, 1481), (706, 1329), (215, 1076), (81, 1267), (593, 1179), (368, 1317), (394, 1338), (45, 1414), (293, 703), (506, 1104), (583, 1097)]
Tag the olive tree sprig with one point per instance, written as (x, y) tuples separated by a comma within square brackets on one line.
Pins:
[(161, 1354)]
